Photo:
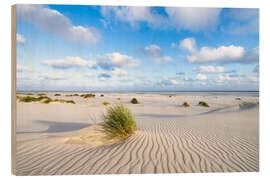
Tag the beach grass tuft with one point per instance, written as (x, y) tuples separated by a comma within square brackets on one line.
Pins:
[(57, 94), (247, 105), (202, 103), (237, 98), (119, 122), (102, 95), (185, 104), (41, 94), (87, 95), (134, 101), (106, 103)]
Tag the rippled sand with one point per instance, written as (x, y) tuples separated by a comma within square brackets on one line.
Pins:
[(170, 137)]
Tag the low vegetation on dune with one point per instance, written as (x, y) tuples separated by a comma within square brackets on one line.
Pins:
[(102, 95), (32, 99), (57, 94), (70, 95), (202, 103), (134, 101), (246, 105), (41, 94), (88, 95), (42, 99), (185, 104), (119, 122), (118, 99), (237, 98), (106, 103)]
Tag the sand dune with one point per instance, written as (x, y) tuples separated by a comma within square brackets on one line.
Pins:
[(225, 139)]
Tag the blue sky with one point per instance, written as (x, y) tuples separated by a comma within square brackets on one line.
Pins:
[(111, 48)]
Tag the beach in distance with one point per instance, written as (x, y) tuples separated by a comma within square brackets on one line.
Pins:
[(182, 132)]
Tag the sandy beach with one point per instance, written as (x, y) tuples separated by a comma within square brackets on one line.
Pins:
[(59, 138)]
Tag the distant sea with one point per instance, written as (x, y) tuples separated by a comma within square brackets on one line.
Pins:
[(195, 93)]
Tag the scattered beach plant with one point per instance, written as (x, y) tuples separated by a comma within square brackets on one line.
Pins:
[(247, 105), (70, 102), (32, 99), (118, 98), (88, 95), (41, 94), (185, 104), (134, 101), (106, 103), (237, 98), (202, 103), (75, 95), (102, 95), (119, 122), (57, 94)]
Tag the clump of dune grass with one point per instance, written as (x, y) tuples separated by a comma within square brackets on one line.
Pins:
[(88, 95), (68, 95), (247, 105), (57, 94), (70, 102), (75, 95), (32, 99), (106, 103), (237, 98), (134, 101), (185, 104), (119, 122), (41, 94), (170, 96), (118, 98), (102, 95), (202, 103)]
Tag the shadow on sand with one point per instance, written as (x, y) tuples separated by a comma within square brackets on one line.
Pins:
[(57, 127)]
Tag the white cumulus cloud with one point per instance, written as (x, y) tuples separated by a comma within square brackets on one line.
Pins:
[(222, 53), (22, 68), (201, 77), (20, 38), (132, 15), (69, 62), (119, 72), (211, 69), (155, 53), (188, 44), (193, 19), (53, 22)]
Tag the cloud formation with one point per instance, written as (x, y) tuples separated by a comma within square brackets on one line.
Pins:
[(111, 60), (22, 68), (55, 23), (201, 77), (50, 76), (154, 52), (222, 53), (68, 63), (20, 38), (211, 69), (188, 44), (193, 19), (132, 15), (119, 72)]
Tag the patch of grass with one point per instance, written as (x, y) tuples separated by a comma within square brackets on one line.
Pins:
[(202, 103), (106, 103), (88, 95), (32, 99), (134, 101), (246, 105), (237, 98), (185, 104), (119, 122), (118, 98), (57, 94), (70, 102), (75, 95), (102, 95), (41, 94)]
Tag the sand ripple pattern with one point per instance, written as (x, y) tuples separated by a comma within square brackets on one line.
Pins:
[(163, 147)]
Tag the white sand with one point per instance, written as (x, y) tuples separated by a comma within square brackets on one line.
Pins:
[(61, 138)]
